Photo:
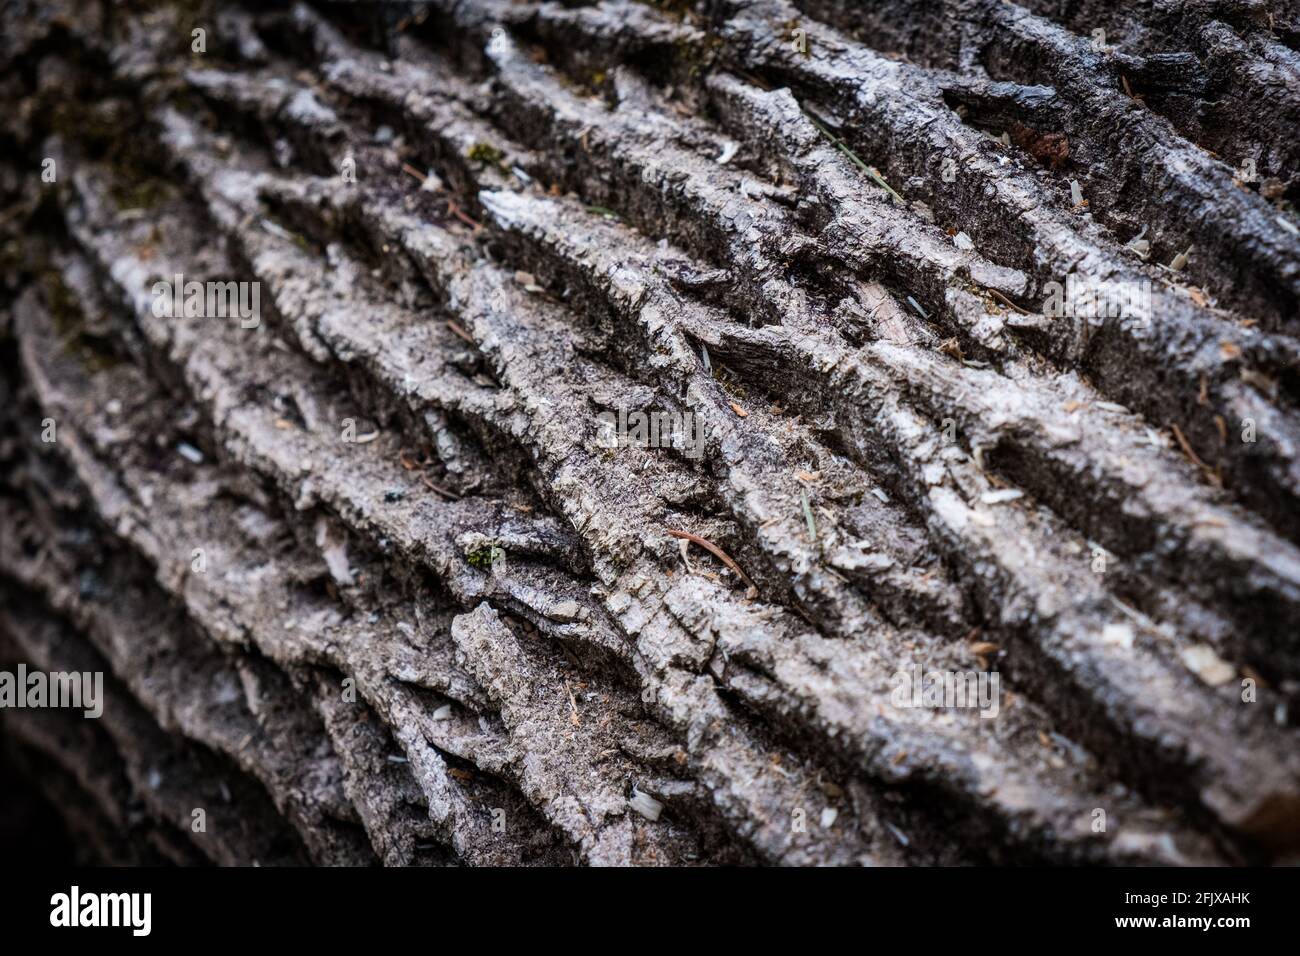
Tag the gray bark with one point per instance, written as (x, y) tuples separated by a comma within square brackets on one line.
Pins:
[(367, 584)]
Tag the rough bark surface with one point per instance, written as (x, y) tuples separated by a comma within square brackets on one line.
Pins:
[(366, 583)]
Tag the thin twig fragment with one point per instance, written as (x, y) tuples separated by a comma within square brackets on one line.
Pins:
[(714, 550)]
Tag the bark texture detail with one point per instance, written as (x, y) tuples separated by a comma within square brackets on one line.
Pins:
[(383, 572)]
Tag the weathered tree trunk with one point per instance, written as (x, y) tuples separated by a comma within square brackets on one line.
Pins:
[(381, 569)]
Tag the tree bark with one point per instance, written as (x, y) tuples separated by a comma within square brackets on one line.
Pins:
[(382, 570)]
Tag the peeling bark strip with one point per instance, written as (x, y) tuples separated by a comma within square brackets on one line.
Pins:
[(983, 315)]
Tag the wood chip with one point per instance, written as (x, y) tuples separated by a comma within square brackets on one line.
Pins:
[(1202, 661)]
